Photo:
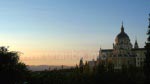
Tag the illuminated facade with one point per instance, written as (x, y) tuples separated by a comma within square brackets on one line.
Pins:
[(123, 52)]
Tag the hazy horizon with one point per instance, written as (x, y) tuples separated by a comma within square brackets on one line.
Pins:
[(60, 32)]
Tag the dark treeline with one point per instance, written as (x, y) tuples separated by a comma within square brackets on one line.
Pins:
[(84, 75), (14, 72)]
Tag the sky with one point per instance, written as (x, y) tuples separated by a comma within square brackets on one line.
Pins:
[(60, 32)]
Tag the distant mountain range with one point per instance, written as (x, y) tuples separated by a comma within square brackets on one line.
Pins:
[(45, 67)]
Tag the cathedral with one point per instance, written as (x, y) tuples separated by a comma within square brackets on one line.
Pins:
[(123, 53)]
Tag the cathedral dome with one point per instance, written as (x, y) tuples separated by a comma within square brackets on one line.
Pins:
[(122, 36), (122, 41)]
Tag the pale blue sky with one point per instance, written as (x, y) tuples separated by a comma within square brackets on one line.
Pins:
[(42, 25)]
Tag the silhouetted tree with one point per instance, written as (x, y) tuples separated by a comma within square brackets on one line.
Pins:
[(147, 54), (11, 70), (101, 67), (110, 67), (124, 68), (86, 67), (81, 65)]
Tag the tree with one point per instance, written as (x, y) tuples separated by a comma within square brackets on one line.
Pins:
[(81, 65), (86, 67), (101, 68), (11, 70), (147, 54), (124, 69), (110, 67)]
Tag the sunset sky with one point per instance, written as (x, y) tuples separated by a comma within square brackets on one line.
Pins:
[(60, 32)]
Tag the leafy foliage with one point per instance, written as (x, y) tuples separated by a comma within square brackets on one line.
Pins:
[(11, 70)]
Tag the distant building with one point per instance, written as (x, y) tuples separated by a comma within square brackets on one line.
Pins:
[(123, 53), (92, 63)]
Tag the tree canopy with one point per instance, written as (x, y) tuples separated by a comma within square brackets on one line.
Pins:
[(12, 71)]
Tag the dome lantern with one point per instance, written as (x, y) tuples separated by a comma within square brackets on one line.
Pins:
[(122, 28)]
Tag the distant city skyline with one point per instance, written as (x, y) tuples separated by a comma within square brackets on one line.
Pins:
[(60, 32)]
